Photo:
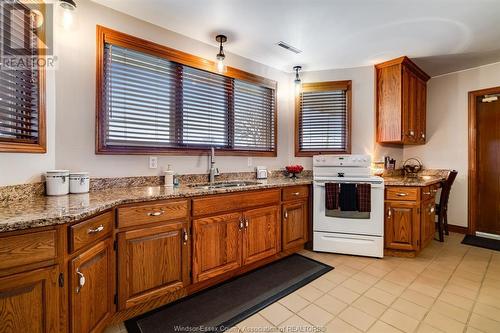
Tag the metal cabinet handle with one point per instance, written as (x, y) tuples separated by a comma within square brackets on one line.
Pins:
[(246, 223), (412, 133), (402, 194), (241, 223), (96, 230), (389, 213), (81, 280), (156, 213), (185, 236), (296, 193), (427, 193), (432, 209), (423, 135), (434, 190), (286, 214)]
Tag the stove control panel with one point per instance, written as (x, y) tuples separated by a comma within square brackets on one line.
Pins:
[(362, 161)]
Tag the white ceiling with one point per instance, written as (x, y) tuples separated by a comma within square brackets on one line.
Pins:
[(440, 35)]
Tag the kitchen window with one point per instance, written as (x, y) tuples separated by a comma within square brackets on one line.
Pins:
[(153, 99), (323, 118), (22, 92)]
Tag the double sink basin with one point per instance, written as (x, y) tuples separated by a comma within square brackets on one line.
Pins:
[(208, 186)]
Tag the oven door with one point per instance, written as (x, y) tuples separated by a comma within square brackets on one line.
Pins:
[(347, 222)]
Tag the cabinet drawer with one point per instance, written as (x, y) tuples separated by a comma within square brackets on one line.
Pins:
[(27, 249), (236, 201), (295, 192), (402, 193), (150, 213), (87, 232), (429, 192)]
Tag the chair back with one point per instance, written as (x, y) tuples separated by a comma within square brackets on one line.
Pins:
[(446, 188)]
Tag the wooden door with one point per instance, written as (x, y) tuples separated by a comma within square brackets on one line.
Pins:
[(29, 302), (488, 170), (152, 262), (294, 224), (217, 245), (428, 221), (402, 231), (421, 109), (261, 238), (409, 110), (92, 288)]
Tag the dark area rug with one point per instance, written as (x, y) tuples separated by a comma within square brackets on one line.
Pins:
[(487, 243), (222, 306)]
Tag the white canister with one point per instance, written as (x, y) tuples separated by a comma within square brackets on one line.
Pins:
[(79, 182), (57, 182)]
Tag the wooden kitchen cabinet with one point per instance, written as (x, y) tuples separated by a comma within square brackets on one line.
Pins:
[(401, 225), (295, 224), (217, 245), (152, 261), (92, 288), (261, 236), (401, 102), (409, 219), (29, 301)]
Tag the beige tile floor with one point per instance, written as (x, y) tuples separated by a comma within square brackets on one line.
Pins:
[(449, 287)]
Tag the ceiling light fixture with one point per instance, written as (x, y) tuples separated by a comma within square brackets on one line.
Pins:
[(68, 8), (221, 67), (297, 81)]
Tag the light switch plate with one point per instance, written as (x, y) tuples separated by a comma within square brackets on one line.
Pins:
[(153, 162)]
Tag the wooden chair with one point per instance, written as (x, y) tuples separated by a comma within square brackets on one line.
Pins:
[(442, 206)]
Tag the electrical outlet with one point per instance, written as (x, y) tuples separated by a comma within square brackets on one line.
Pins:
[(250, 161), (153, 162)]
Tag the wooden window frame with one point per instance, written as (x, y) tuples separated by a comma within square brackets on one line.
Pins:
[(40, 147), (324, 86), (106, 35)]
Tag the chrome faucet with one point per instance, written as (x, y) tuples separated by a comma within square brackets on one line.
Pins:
[(213, 170)]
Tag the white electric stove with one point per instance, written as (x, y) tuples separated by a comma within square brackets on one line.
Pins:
[(353, 233)]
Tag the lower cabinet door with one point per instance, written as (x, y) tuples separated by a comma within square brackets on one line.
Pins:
[(217, 245), (294, 224), (261, 238), (402, 225), (92, 288), (428, 217), (152, 262), (29, 302)]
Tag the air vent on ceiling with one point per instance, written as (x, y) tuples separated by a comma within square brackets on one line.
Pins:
[(289, 47)]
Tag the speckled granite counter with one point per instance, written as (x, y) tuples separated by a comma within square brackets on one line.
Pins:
[(425, 180), (46, 211)]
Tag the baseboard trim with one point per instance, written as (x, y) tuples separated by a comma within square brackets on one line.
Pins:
[(457, 228)]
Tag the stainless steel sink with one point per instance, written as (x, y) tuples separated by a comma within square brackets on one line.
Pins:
[(224, 185)]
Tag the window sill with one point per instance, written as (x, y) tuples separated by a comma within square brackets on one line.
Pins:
[(320, 152), (181, 151), (17, 147)]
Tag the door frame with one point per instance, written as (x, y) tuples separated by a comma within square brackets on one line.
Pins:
[(473, 174)]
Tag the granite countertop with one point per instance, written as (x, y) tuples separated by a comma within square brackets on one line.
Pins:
[(46, 211), (425, 180)]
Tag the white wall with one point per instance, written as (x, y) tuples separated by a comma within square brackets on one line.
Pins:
[(363, 110), (447, 129)]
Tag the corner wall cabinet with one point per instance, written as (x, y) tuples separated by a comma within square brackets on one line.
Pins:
[(401, 102), (82, 276)]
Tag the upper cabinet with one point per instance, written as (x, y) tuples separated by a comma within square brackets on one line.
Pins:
[(401, 102)]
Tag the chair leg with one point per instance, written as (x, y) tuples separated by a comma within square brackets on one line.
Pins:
[(440, 228), (446, 222)]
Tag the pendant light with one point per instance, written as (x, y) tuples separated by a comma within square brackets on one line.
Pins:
[(67, 9), (297, 81), (221, 67)]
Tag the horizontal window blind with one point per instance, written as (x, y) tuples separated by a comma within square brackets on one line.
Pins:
[(150, 101), (19, 89), (253, 123), (323, 121), (139, 96)]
